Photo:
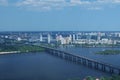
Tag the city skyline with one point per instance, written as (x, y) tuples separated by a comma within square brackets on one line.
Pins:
[(59, 15)]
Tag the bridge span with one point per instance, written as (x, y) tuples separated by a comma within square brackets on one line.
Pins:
[(98, 65)]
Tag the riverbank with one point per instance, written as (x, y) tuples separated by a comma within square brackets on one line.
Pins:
[(87, 46), (10, 52), (8, 49)]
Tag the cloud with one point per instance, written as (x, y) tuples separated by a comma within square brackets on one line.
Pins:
[(95, 8), (43, 4), (53, 4), (79, 2), (3, 2), (60, 4), (116, 1)]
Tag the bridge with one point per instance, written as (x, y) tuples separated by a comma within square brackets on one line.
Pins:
[(91, 63)]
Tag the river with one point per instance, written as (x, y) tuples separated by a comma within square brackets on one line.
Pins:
[(43, 66), (90, 53)]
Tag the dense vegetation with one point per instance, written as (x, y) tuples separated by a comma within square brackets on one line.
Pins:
[(109, 52), (21, 48), (101, 78)]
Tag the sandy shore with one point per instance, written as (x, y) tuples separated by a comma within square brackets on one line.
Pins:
[(9, 52)]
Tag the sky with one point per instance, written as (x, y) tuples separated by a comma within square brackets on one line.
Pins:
[(59, 15)]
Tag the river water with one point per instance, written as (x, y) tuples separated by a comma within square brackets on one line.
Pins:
[(90, 53), (43, 66)]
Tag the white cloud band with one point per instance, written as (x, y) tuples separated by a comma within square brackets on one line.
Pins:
[(58, 4)]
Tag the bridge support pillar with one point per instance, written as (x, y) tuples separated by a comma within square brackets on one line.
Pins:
[(83, 61), (53, 52), (70, 57), (62, 55), (50, 51), (89, 63), (74, 59), (103, 67), (56, 53), (66, 57), (59, 54), (111, 70), (96, 65), (79, 60)]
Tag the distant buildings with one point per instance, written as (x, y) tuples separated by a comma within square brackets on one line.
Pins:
[(64, 40), (73, 37), (41, 39), (63, 37), (49, 38)]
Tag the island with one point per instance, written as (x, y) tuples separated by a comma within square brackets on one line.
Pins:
[(108, 52)]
